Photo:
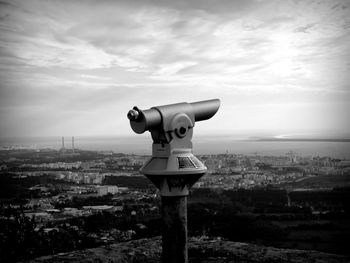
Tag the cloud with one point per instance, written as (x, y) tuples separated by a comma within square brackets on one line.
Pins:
[(81, 56), (93, 77)]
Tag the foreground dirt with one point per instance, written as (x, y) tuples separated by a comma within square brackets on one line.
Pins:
[(205, 251)]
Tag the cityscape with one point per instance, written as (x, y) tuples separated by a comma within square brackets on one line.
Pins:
[(94, 198)]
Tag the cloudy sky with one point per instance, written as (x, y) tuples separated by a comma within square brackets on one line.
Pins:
[(77, 67)]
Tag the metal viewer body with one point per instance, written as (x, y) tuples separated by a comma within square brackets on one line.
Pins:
[(173, 168)]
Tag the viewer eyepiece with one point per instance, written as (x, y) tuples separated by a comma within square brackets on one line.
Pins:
[(133, 115)]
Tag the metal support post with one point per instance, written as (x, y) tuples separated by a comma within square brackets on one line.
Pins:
[(174, 236)]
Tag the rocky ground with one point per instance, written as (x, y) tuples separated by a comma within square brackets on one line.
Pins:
[(205, 251)]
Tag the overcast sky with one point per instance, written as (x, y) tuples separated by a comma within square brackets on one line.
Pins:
[(77, 67)]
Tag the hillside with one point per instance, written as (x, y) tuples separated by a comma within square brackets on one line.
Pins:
[(149, 250)]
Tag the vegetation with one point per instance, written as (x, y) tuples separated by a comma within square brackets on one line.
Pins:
[(20, 238), (263, 216), (139, 182)]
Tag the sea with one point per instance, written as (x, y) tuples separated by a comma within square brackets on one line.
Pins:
[(142, 145)]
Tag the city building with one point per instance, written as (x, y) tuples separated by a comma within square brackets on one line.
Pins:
[(107, 189)]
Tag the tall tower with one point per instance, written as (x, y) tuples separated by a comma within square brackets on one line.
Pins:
[(72, 143), (62, 142), (62, 148)]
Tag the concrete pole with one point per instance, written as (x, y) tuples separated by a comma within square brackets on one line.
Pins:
[(174, 236)]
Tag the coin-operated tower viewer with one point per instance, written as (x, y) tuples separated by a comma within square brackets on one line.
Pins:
[(173, 168)]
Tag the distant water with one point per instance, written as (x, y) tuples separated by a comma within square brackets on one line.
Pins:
[(201, 145)]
